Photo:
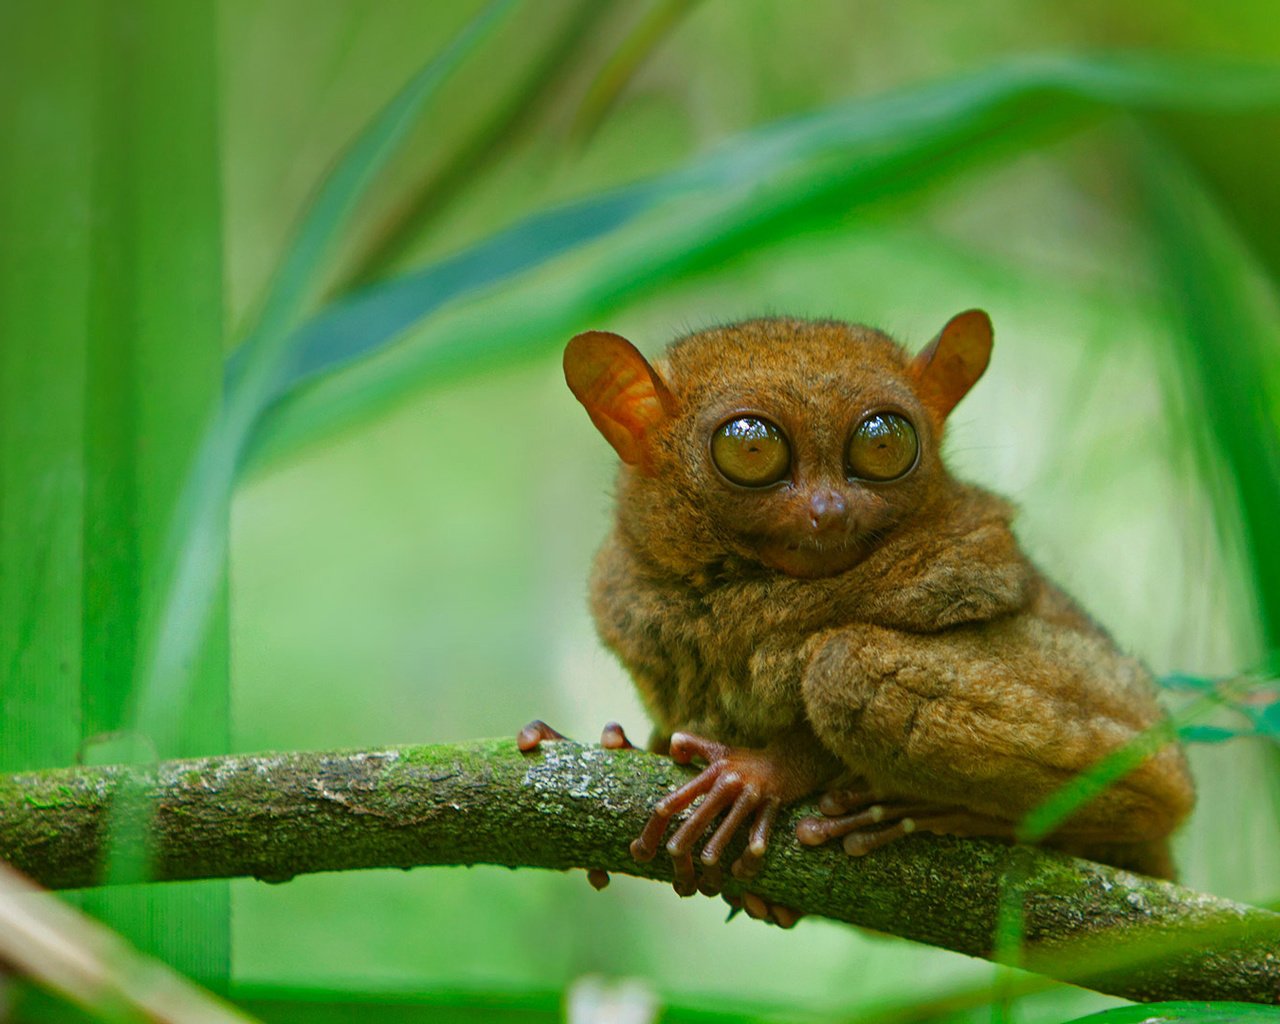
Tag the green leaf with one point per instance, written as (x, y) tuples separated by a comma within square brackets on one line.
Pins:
[(630, 53), (1183, 681), (111, 365), (46, 264), (1210, 734), (196, 542), (354, 327), (1201, 1013), (777, 181), (560, 59), (1228, 309), (1269, 719)]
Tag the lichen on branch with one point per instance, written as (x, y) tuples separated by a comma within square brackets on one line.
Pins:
[(568, 805)]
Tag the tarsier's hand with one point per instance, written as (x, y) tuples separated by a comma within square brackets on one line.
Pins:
[(738, 782)]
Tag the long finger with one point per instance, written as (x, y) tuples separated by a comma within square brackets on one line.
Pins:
[(685, 746), (710, 880), (645, 845), (755, 906), (857, 844), (677, 800), (681, 842), (747, 802), (842, 801), (956, 822), (748, 865)]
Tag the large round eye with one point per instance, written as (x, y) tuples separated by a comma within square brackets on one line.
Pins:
[(751, 451), (882, 448)]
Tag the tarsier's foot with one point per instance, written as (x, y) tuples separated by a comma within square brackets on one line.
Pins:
[(537, 732), (613, 738), (762, 910), (532, 735), (741, 780), (866, 822), (737, 782)]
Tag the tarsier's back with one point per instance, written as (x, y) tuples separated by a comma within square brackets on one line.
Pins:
[(809, 601)]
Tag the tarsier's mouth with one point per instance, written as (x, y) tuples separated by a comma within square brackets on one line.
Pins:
[(813, 558)]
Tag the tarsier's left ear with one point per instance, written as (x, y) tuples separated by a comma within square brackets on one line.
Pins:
[(624, 396), (952, 363)]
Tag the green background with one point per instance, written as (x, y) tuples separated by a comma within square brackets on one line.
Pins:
[(407, 546)]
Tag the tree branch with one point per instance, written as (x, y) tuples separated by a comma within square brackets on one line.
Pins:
[(274, 816)]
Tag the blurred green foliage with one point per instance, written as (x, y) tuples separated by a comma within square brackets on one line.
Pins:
[(389, 281)]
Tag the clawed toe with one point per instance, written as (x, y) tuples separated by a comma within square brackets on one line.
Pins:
[(874, 825), (871, 819), (748, 865), (841, 801), (738, 788)]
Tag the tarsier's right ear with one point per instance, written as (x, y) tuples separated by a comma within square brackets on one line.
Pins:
[(952, 363), (622, 393)]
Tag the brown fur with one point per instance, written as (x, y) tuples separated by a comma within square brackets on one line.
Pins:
[(939, 665)]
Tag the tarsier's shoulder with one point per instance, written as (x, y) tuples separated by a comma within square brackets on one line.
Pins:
[(960, 564), (1052, 604), (637, 604)]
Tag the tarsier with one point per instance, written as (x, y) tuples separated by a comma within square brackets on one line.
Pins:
[(811, 604)]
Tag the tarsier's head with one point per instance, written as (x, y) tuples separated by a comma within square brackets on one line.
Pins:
[(789, 444)]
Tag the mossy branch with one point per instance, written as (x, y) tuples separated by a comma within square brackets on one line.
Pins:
[(274, 816)]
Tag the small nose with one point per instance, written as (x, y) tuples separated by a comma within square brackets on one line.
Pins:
[(826, 510)]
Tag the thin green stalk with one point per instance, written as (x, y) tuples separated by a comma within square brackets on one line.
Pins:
[(784, 179), (648, 33), (196, 545), (508, 126)]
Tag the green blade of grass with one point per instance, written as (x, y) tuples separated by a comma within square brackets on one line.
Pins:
[(785, 178), (155, 338), (354, 327), (1228, 365), (45, 266), (265, 351), (196, 543), (646, 35), (560, 59), (112, 351)]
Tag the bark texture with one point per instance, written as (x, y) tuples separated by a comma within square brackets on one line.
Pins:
[(274, 816)]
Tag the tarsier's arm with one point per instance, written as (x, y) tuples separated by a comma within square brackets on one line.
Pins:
[(996, 717)]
